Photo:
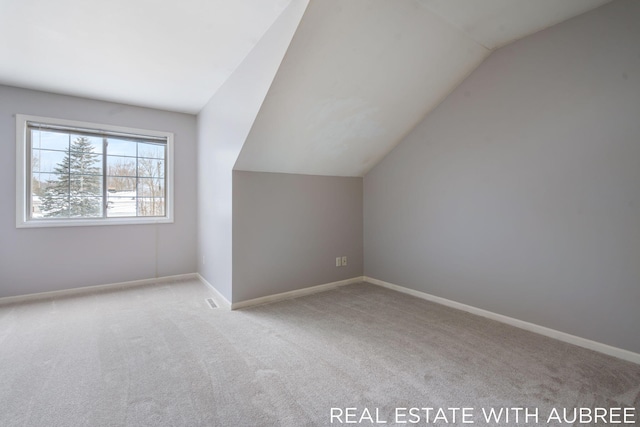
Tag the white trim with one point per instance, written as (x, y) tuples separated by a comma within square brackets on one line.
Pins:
[(44, 223), (93, 289), (294, 294), (21, 169), (219, 299), (531, 327), (22, 217)]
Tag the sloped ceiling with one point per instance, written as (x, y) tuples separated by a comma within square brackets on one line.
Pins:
[(360, 74), (167, 54), (495, 23)]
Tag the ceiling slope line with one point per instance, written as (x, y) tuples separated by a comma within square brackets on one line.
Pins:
[(457, 28)]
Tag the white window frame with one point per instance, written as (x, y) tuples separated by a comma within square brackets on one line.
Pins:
[(23, 159)]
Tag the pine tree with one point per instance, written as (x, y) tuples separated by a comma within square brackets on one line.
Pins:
[(78, 190)]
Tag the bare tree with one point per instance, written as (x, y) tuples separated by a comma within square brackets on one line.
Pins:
[(122, 175), (37, 187), (151, 190)]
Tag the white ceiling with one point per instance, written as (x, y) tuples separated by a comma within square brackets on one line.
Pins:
[(357, 77), (495, 23), (168, 54), (360, 74)]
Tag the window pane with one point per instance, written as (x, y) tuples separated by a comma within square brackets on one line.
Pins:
[(121, 173), (40, 182), (54, 183), (148, 206), (49, 140), (120, 184), (121, 166), (82, 206), (54, 207), (121, 204), (86, 165), (89, 143), (83, 159), (150, 187), (150, 168), (48, 161), (154, 151), (36, 207), (121, 147), (85, 185)]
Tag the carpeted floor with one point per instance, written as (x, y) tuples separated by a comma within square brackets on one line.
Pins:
[(160, 356)]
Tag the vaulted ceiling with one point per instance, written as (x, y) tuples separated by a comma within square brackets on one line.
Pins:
[(169, 54), (358, 74)]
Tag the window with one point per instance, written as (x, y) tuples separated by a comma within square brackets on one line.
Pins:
[(75, 173)]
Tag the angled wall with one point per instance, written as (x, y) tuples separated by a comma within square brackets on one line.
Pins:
[(520, 193), (223, 126)]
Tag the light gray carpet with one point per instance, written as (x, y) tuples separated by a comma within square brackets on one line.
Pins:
[(159, 356)]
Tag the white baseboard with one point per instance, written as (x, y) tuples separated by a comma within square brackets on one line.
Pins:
[(219, 299), (532, 327), (294, 294), (93, 289)]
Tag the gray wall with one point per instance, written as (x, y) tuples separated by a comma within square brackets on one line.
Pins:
[(289, 229), (49, 259), (520, 193), (223, 126)]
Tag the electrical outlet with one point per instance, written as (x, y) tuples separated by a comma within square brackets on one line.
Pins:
[(203, 260), (344, 261), (338, 261)]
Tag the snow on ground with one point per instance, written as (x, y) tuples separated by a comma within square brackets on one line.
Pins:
[(121, 203)]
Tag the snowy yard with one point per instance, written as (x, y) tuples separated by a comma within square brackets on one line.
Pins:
[(119, 204)]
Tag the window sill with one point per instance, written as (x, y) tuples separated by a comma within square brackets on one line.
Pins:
[(52, 223)]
